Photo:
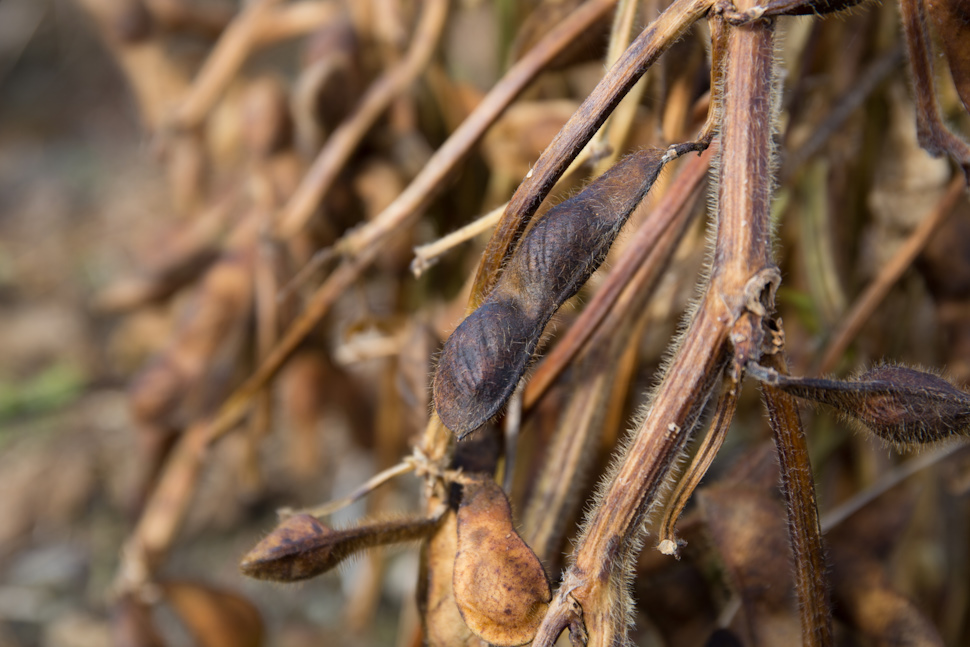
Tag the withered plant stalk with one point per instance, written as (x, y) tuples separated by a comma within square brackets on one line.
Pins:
[(804, 530), (593, 600)]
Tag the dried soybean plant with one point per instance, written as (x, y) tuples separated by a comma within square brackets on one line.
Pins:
[(543, 427)]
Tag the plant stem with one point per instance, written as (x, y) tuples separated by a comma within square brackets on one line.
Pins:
[(593, 600), (804, 532)]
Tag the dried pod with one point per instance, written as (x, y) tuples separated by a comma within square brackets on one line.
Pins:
[(900, 404), (500, 586), (301, 547), (215, 618), (482, 361), (443, 624), (174, 376)]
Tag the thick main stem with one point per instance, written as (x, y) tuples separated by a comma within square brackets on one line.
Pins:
[(593, 597), (169, 502)]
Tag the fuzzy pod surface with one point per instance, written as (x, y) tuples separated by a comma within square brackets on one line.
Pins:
[(484, 358)]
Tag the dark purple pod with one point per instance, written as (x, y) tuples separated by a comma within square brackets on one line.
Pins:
[(485, 357), (899, 404)]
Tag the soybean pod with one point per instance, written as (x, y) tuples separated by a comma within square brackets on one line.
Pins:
[(487, 354)]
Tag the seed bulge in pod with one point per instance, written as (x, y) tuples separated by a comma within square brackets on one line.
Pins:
[(483, 360), (500, 587)]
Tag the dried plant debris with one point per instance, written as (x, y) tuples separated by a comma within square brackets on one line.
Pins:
[(215, 618), (902, 405), (934, 135), (484, 358), (301, 547), (500, 586), (749, 532), (860, 550)]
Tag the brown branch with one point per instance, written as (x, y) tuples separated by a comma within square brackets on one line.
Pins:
[(153, 75), (258, 25), (294, 20), (185, 15), (222, 64), (933, 134), (804, 531), (596, 580), (443, 162), (597, 380), (727, 404), (427, 255)]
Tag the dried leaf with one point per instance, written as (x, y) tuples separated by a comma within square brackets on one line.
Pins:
[(500, 586), (676, 596), (879, 525), (215, 618), (864, 594), (862, 589)]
